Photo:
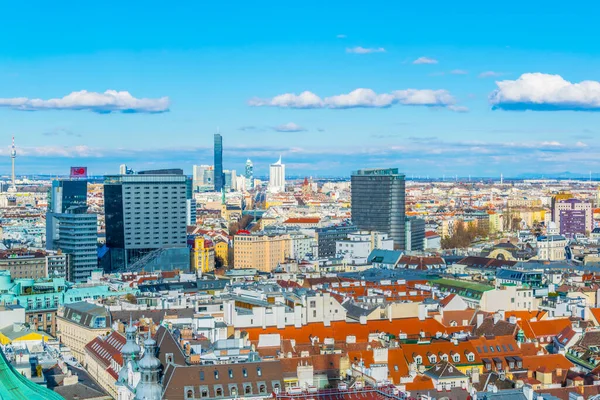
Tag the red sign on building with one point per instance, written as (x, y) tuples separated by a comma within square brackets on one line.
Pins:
[(78, 172)]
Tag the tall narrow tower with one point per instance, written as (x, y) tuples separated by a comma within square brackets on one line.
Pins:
[(13, 155), (219, 176)]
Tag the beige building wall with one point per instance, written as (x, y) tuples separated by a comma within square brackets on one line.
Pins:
[(76, 336), (101, 375), (263, 252)]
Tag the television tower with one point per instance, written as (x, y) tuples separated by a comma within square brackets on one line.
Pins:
[(13, 155)]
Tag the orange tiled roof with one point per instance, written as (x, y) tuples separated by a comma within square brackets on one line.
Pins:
[(302, 220), (420, 383), (595, 314), (526, 315), (545, 328), (550, 361), (339, 330)]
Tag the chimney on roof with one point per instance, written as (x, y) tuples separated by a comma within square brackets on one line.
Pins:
[(479, 319), (497, 317), (528, 392)]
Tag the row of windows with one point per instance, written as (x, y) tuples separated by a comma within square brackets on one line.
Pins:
[(233, 391), (230, 373)]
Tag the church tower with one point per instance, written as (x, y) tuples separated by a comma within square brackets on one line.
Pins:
[(149, 388)]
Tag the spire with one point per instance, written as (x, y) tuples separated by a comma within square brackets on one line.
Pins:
[(149, 388), (131, 350)]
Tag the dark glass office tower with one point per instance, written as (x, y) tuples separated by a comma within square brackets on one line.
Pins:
[(145, 216), (219, 176), (66, 194), (378, 203)]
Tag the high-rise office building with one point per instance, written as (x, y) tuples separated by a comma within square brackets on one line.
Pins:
[(146, 213), (13, 156), (378, 203), (249, 175), (203, 176), (230, 179), (277, 177), (71, 229), (415, 234), (66, 194), (190, 203), (219, 176)]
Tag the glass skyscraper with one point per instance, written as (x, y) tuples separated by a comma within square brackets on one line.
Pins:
[(66, 194), (378, 203), (71, 229), (249, 175), (219, 176)]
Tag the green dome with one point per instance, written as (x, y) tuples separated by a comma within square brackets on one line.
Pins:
[(14, 386)]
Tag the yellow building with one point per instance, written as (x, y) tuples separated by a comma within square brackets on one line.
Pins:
[(532, 216), (19, 334), (222, 251), (202, 254), (496, 222), (260, 251)]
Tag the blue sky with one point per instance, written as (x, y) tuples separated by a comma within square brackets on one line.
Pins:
[(449, 88)]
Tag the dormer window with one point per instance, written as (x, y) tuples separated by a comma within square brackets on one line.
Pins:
[(471, 357), (419, 360), (456, 358), (432, 359)]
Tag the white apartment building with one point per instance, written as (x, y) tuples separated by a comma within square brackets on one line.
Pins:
[(357, 247), (277, 177)]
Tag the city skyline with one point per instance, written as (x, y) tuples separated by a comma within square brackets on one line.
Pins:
[(458, 97)]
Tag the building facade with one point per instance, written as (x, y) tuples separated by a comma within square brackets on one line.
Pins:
[(378, 203), (415, 234), (261, 251), (329, 236), (573, 216), (277, 177), (79, 324), (71, 229), (144, 213), (202, 254), (249, 175), (75, 233), (219, 175)]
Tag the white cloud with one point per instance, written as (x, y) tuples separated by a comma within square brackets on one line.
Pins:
[(581, 144), (545, 92), (107, 102), (363, 97), (341, 36), (61, 151), (289, 127), (305, 99), (459, 72), (365, 50), (425, 60), (490, 74), (360, 98), (459, 109)]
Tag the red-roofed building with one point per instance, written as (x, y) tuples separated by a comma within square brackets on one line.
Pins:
[(304, 222), (103, 360)]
